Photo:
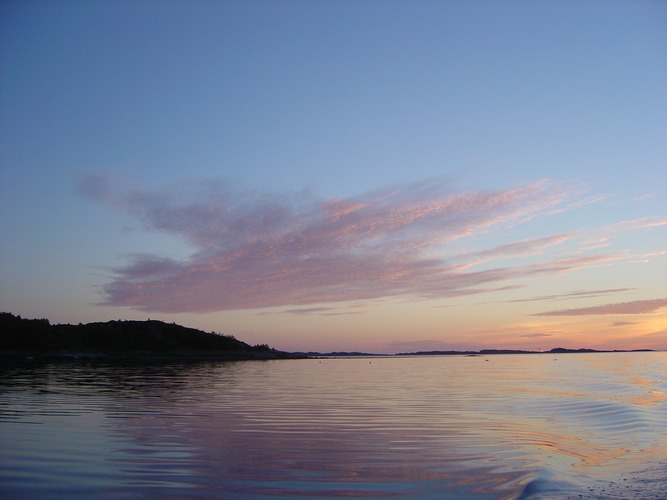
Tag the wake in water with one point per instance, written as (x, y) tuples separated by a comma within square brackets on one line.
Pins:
[(647, 484)]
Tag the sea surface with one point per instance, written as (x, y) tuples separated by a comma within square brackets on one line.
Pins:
[(503, 426)]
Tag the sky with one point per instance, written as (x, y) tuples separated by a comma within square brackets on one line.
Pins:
[(377, 176)]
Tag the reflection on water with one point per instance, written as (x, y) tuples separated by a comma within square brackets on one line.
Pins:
[(527, 426)]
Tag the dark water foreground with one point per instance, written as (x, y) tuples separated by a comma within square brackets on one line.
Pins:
[(515, 426)]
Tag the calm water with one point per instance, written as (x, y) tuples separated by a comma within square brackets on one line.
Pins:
[(515, 426)]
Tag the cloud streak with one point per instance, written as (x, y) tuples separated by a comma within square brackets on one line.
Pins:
[(251, 250), (579, 294), (515, 249), (625, 323), (634, 307)]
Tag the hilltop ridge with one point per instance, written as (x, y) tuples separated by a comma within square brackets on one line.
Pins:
[(38, 338)]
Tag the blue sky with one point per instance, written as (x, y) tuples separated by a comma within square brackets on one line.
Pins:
[(141, 141)]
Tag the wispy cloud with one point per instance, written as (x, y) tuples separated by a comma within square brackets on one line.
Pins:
[(345, 310), (638, 224), (310, 310), (602, 237), (253, 250), (625, 323), (420, 345), (579, 294), (536, 335), (516, 249), (634, 307)]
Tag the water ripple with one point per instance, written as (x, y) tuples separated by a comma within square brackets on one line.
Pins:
[(517, 426)]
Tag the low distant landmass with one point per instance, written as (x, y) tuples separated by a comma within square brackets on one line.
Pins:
[(22, 338), (39, 339), (483, 352)]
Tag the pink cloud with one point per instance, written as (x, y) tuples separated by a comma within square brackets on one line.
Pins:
[(603, 236), (253, 250), (635, 307), (638, 224), (520, 248)]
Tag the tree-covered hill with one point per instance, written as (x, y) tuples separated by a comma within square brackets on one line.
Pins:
[(21, 337)]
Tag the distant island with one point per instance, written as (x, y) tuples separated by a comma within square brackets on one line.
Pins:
[(482, 352), (38, 339)]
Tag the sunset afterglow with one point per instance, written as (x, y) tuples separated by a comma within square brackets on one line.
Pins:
[(340, 176)]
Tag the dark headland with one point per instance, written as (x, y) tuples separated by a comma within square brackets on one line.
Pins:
[(38, 339)]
